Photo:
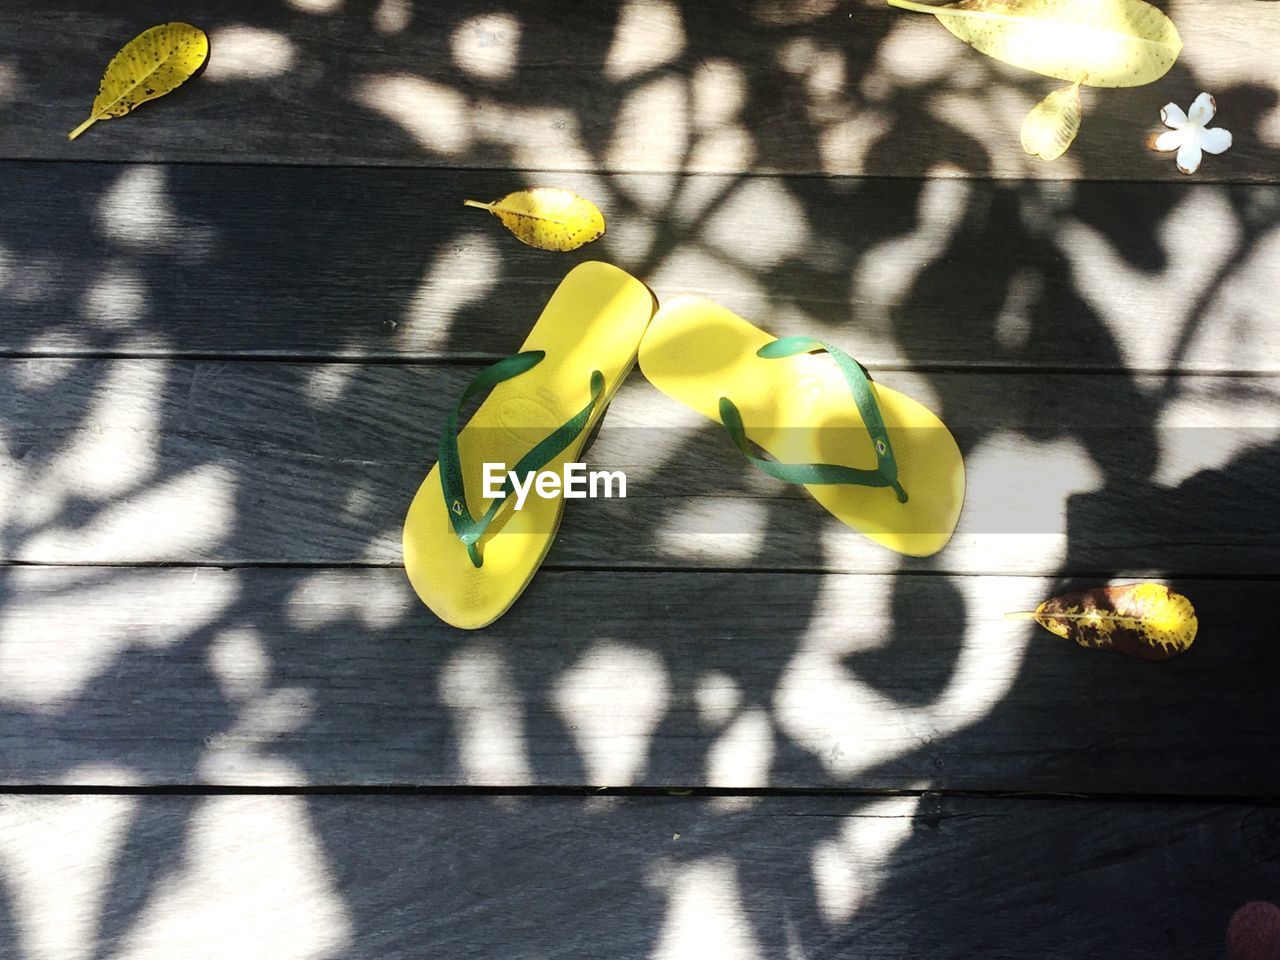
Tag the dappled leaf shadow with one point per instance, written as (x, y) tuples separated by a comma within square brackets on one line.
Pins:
[(912, 680), (296, 334)]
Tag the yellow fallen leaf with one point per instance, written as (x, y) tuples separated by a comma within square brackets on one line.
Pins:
[(548, 218), (1144, 620), (1102, 43), (1052, 124), (150, 65)]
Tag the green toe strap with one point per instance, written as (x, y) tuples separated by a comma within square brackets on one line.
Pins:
[(467, 528), (859, 382)]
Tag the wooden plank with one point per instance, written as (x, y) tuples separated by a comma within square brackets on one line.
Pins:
[(144, 461), (397, 877), (284, 677), (643, 85), (208, 260)]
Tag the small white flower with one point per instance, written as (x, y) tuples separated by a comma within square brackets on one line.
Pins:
[(1189, 135)]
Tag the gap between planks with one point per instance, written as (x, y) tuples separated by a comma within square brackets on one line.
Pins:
[(426, 361), (581, 567), (346, 166), (674, 792)]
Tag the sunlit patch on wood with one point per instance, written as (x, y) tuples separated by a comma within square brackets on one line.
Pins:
[(249, 53), (488, 46)]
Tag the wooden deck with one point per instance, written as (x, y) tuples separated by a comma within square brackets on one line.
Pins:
[(719, 723)]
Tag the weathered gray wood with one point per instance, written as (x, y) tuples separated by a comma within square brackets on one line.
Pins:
[(141, 461), (653, 85), (387, 263), (736, 680), (394, 877)]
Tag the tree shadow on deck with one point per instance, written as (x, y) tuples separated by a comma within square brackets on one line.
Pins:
[(331, 677)]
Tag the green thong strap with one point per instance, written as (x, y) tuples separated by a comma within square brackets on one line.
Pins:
[(859, 382), (468, 529)]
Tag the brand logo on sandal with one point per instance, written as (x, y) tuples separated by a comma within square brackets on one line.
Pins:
[(573, 482)]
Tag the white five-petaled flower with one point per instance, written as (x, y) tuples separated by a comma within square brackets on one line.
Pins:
[(1190, 135)]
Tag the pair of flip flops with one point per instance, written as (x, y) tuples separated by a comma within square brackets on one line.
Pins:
[(877, 460)]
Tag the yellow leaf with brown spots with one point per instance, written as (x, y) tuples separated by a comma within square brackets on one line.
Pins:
[(150, 65), (1102, 43), (1144, 620), (548, 218)]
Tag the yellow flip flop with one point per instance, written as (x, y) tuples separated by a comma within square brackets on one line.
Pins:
[(877, 460), (469, 556)]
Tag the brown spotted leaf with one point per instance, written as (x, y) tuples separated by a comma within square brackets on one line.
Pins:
[(548, 218), (154, 63), (1101, 43), (1144, 620)]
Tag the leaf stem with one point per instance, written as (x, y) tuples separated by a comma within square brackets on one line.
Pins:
[(495, 208), (83, 127)]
